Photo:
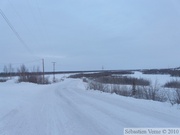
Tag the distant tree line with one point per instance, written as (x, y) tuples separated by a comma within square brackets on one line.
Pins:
[(100, 74), (172, 72)]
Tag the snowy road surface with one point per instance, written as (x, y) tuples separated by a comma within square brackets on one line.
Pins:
[(66, 108)]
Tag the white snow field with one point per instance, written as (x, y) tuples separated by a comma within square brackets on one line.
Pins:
[(158, 78), (67, 108)]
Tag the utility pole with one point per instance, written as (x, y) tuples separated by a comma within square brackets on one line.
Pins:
[(43, 69), (54, 64)]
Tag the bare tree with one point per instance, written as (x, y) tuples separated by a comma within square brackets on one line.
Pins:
[(174, 96), (177, 98), (5, 69), (134, 88), (8, 70), (11, 70), (23, 73)]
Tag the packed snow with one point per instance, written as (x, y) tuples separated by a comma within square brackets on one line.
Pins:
[(67, 108)]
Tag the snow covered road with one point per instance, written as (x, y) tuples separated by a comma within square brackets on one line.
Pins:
[(66, 108)]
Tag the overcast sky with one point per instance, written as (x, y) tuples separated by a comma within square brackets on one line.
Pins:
[(89, 34)]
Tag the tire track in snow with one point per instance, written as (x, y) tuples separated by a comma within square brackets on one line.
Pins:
[(97, 106), (79, 118)]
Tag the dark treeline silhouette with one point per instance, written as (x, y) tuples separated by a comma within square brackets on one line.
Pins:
[(80, 73), (18, 74), (100, 74), (172, 72)]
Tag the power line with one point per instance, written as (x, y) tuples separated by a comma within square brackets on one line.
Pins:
[(35, 17), (14, 31), (43, 28), (20, 17)]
